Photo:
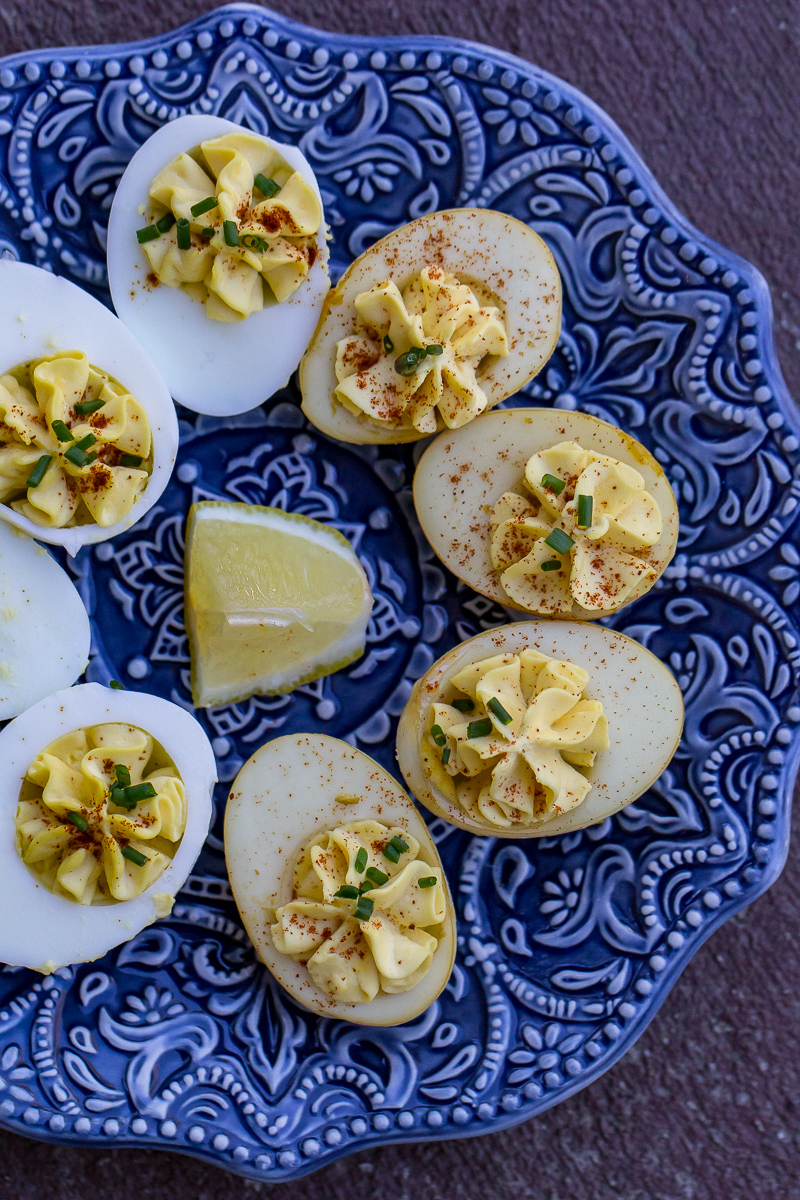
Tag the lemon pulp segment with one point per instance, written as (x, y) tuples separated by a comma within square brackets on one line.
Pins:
[(273, 599)]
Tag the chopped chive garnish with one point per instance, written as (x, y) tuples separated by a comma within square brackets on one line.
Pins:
[(399, 845), (553, 564), (117, 796), (204, 206), (251, 241), (78, 821), (376, 876), (62, 433), (361, 860), (130, 460), (347, 892), (230, 232), (207, 231), (115, 683), (388, 344), (463, 704), (481, 728), (77, 456), (363, 909), (165, 223), (394, 848), (503, 716), (184, 234), (390, 853), (438, 735), (435, 350), (553, 484), (445, 756), (407, 363), (123, 775), (86, 442), (134, 856), (427, 881), (585, 506), (84, 407), (268, 187), (38, 473), (148, 234), (140, 791), (559, 541)]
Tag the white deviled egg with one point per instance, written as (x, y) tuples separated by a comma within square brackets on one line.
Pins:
[(88, 431), (105, 802), (338, 881), (218, 260), (44, 626)]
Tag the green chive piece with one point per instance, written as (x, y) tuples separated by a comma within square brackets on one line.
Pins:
[(123, 774), (553, 564), (130, 460), (463, 704), (376, 876), (117, 796), (363, 909), (559, 541), (268, 187), (435, 350), (361, 860), (62, 433), (38, 473), (347, 892), (251, 241), (585, 506), (115, 683), (503, 716), (438, 735), (230, 232), (390, 853), (427, 881), (204, 206), (140, 791), (77, 457), (165, 223), (407, 363), (481, 728), (388, 344), (78, 821), (445, 756), (207, 231), (86, 442), (399, 845), (553, 484), (184, 234), (84, 407), (148, 234), (134, 856)]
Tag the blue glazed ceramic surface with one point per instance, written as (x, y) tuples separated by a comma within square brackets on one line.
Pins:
[(180, 1038)]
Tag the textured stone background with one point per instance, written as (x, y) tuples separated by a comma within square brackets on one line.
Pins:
[(705, 1106)]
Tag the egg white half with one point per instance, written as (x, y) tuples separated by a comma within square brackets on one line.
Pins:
[(210, 366), (41, 930)]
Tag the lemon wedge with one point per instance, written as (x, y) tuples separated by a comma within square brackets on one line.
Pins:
[(273, 600)]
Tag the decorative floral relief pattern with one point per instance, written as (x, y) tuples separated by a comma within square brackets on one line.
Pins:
[(567, 944)]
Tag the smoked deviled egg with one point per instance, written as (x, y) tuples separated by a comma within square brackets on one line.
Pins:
[(551, 512), (436, 323), (105, 802), (218, 260), (338, 881), (44, 627), (538, 728), (88, 431)]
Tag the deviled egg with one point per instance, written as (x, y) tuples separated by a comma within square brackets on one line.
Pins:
[(44, 627), (105, 802), (88, 431), (338, 881), (437, 322), (218, 261), (539, 728), (550, 512)]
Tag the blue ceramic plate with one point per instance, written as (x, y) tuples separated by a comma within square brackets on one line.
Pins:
[(567, 948)]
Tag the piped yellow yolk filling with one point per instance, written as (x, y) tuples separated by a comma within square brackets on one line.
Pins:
[(226, 254), (416, 359), (510, 743), (85, 835), (74, 444), (362, 922), (581, 535)]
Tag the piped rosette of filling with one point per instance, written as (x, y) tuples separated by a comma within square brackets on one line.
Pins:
[(416, 359), (75, 445), (579, 531), (514, 738), (366, 912), (233, 225), (100, 814)]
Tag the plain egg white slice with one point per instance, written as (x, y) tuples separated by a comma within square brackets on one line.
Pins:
[(42, 314), (41, 930), (44, 627), (210, 366)]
